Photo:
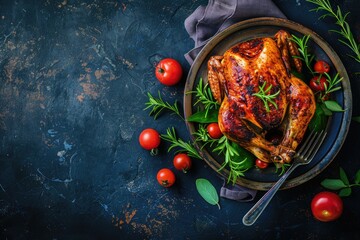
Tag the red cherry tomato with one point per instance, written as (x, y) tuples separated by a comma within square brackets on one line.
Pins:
[(149, 139), (182, 162), (318, 83), (321, 67), (214, 130), (168, 71), (261, 164), (165, 177), (326, 206)]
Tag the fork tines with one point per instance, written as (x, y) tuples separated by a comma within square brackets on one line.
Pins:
[(311, 145)]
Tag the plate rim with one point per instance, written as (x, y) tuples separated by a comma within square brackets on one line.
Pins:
[(330, 155)]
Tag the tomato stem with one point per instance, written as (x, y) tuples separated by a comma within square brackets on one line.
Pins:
[(218, 205), (165, 183), (154, 152), (161, 70)]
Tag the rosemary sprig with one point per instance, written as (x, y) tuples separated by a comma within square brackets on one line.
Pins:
[(344, 31), (204, 96), (224, 147), (332, 85), (176, 142), (157, 105), (202, 136), (306, 57), (237, 161), (264, 95), (237, 164), (281, 168)]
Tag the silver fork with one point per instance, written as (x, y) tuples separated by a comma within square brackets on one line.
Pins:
[(302, 157)]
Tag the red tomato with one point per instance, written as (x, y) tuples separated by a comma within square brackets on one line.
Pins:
[(318, 83), (165, 177), (321, 67), (149, 139), (214, 130), (168, 71), (326, 206), (182, 162), (261, 164)]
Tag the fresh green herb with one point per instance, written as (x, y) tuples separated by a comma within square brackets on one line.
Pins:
[(264, 95), (176, 142), (333, 84), (205, 116), (237, 158), (202, 136), (326, 110), (157, 105), (205, 97), (345, 31), (281, 167), (342, 183), (319, 120), (324, 107), (207, 191), (306, 57), (333, 106), (356, 119)]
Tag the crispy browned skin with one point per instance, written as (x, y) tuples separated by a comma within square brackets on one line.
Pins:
[(243, 118)]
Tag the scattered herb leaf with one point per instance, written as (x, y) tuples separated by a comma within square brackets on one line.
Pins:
[(342, 183), (333, 184), (207, 191), (356, 119), (345, 31), (357, 177), (176, 142), (157, 105)]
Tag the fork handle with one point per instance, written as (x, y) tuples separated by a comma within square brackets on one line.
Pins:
[(252, 215)]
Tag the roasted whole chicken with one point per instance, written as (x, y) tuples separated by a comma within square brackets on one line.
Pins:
[(262, 67)]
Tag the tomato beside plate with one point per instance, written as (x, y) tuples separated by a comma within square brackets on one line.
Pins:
[(326, 206)]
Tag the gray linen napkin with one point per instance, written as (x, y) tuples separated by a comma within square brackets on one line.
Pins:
[(207, 21)]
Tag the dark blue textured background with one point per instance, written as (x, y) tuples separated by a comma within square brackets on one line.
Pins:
[(73, 82)]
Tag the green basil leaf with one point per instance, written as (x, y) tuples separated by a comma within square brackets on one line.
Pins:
[(343, 176), (333, 106), (357, 177), (207, 191), (327, 111), (356, 119), (333, 184), (204, 116), (298, 75), (319, 120), (245, 158), (345, 192)]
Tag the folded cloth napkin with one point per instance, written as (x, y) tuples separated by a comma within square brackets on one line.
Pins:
[(207, 21)]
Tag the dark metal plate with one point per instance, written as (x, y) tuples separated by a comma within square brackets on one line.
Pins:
[(338, 124)]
